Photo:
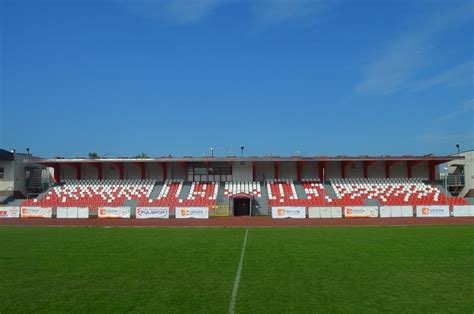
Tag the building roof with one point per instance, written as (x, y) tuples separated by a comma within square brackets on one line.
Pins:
[(246, 159), (6, 155)]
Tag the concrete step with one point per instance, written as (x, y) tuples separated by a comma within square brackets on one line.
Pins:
[(300, 190), (156, 190), (185, 191), (330, 191)]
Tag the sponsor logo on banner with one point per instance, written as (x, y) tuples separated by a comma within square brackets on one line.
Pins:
[(192, 212), (36, 212), (288, 212), (361, 212), (114, 212), (432, 211), (152, 212), (9, 212)]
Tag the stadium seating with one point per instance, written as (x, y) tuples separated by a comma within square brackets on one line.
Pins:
[(390, 192), (94, 193), (250, 188), (200, 194), (315, 193)]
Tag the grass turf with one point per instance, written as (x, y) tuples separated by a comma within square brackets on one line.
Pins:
[(363, 269)]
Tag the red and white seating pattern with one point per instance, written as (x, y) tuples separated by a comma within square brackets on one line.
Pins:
[(315, 193), (281, 192), (200, 194), (390, 192), (251, 188), (94, 193), (168, 195), (203, 190)]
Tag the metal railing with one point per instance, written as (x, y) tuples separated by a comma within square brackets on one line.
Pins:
[(455, 180)]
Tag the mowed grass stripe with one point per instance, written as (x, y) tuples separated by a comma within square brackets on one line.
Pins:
[(117, 269), (381, 269)]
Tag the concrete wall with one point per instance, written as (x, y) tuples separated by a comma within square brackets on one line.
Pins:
[(376, 170), (176, 171), (355, 170), (288, 170), (264, 171), (8, 181), (242, 172), (398, 170), (310, 170), (333, 170), (421, 171)]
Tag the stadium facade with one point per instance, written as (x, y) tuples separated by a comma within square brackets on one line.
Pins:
[(239, 185)]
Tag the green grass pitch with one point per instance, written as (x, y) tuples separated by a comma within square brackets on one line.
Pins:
[(358, 269)]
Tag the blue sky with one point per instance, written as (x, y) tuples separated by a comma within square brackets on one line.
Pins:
[(122, 77)]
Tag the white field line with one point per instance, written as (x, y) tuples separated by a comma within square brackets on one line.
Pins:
[(235, 290)]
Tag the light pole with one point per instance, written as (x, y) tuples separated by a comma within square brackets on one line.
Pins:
[(242, 151), (212, 152), (446, 183), (457, 146)]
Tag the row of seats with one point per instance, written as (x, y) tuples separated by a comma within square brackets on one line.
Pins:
[(391, 192), (95, 193), (250, 188)]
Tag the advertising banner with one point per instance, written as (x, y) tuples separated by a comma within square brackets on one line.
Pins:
[(192, 212), (288, 212), (385, 211), (10, 212), (390, 211), (463, 210), (407, 211), (324, 212), (83, 212), (72, 212), (36, 212), (152, 212), (114, 212), (61, 212), (314, 212), (432, 211), (361, 212)]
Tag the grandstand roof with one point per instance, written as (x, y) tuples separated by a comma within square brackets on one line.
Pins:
[(249, 159)]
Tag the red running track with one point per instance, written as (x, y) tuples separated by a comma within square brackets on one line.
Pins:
[(237, 222)]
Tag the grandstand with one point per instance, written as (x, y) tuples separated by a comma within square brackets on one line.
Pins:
[(246, 185)]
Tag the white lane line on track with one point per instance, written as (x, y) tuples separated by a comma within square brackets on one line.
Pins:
[(235, 290)]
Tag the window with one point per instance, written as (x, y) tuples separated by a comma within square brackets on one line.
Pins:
[(210, 173), (2, 172)]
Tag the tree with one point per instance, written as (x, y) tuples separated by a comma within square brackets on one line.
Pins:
[(142, 155), (93, 155)]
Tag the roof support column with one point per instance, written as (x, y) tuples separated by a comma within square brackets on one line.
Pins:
[(367, 164), (299, 165), (254, 170), (164, 166), (410, 164), (57, 172), (388, 165), (98, 166), (78, 168), (344, 165), (121, 169), (141, 165), (276, 174)]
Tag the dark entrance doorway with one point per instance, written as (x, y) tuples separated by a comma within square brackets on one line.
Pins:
[(242, 206)]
